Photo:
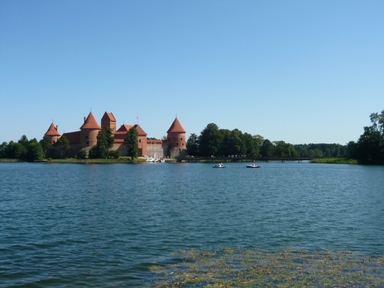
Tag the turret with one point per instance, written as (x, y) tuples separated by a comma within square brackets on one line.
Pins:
[(108, 121), (53, 133), (89, 131), (176, 139)]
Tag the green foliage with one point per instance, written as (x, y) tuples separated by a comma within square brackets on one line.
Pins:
[(3, 150), (105, 141), (322, 150), (370, 146), (81, 154), (16, 151), (115, 154), (210, 140), (93, 152), (267, 149), (34, 151), (46, 143), (193, 144), (334, 161), (63, 142), (131, 141)]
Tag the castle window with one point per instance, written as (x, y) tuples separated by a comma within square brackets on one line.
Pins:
[(181, 139), (87, 142), (140, 141), (86, 137)]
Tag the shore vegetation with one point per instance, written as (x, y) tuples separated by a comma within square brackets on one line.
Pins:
[(335, 161)]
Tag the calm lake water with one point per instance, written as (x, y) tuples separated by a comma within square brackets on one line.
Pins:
[(103, 225)]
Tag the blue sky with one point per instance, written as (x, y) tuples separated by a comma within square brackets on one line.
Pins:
[(297, 71)]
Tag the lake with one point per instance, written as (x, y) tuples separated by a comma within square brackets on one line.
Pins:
[(104, 225)]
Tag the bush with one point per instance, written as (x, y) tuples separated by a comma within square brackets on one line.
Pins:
[(81, 154), (114, 154)]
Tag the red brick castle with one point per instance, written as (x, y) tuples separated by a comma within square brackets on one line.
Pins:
[(174, 146)]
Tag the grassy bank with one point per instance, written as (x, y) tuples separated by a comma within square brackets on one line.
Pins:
[(260, 268), (334, 161), (121, 160)]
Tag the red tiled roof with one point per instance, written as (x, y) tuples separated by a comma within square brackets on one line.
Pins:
[(90, 123), (73, 137), (176, 127), (124, 128), (52, 131), (110, 116), (140, 131)]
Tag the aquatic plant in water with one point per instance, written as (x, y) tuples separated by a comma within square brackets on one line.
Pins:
[(261, 268)]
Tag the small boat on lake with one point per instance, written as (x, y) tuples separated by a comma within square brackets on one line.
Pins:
[(254, 165), (220, 165)]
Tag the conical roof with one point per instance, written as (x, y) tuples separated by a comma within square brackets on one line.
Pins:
[(140, 131), (52, 131), (176, 127), (90, 123)]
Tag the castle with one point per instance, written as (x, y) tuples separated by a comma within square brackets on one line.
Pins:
[(173, 146)]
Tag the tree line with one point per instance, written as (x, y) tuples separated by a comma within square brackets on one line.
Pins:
[(213, 141)]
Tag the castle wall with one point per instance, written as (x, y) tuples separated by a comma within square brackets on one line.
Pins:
[(156, 149)]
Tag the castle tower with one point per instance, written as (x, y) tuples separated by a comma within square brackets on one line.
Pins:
[(142, 139), (109, 121), (53, 133), (176, 139), (89, 131)]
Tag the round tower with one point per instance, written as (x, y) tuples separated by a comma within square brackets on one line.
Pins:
[(53, 133), (176, 139), (89, 131)]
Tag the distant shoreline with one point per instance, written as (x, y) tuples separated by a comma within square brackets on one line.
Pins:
[(183, 160)]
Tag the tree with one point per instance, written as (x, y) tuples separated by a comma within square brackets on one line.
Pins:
[(236, 143), (267, 149), (210, 140), (114, 154), (370, 146), (46, 143), (63, 142), (105, 141), (251, 147), (25, 143), (15, 151), (93, 152), (81, 154), (3, 150), (131, 141), (34, 151), (193, 144)]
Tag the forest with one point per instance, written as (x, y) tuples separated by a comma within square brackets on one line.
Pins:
[(213, 141)]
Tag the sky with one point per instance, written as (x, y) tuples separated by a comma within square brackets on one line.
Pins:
[(296, 71)]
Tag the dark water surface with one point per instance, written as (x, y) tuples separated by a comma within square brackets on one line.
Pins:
[(72, 225)]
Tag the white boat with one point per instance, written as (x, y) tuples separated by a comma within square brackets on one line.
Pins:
[(150, 159), (220, 165), (254, 165)]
